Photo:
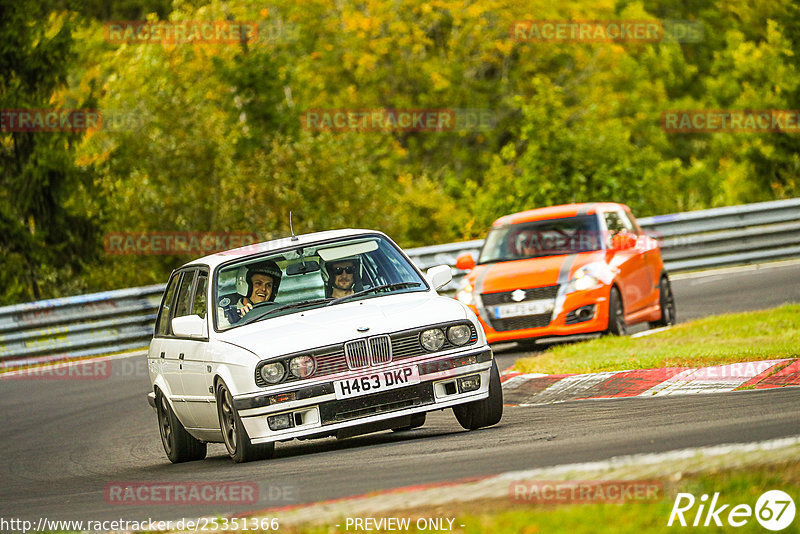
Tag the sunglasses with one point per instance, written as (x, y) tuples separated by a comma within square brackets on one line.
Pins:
[(339, 270)]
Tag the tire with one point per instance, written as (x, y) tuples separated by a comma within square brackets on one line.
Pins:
[(486, 412), (666, 303), (417, 420), (179, 445), (616, 315), (234, 435)]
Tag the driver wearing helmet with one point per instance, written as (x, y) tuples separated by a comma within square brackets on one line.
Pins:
[(255, 284), (342, 277)]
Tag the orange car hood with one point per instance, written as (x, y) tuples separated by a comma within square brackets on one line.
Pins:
[(532, 272)]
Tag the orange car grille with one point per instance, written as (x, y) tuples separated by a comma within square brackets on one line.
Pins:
[(533, 293), (518, 323)]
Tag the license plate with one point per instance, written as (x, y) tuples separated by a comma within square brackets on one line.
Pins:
[(533, 307), (376, 382)]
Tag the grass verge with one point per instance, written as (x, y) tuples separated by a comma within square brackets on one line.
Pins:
[(500, 516), (730, 338)]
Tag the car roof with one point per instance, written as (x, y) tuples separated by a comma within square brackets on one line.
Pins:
[(213, 260), (559, 212)]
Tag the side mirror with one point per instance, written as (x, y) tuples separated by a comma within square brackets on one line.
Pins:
[(189, 326), (623, 241), (465, 261), (439, 276)]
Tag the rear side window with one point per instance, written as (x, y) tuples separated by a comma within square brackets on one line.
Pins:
[(184, 299), (199, 303), (162, 324)]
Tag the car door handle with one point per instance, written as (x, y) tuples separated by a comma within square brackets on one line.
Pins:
[(162, 354), (180, 356)]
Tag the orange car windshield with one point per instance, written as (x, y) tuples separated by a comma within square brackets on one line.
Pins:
[(542, 238)]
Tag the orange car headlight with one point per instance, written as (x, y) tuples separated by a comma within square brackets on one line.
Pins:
[(589, 276), (465, 294)]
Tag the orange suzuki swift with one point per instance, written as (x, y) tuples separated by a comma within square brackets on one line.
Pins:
[(566, 270)]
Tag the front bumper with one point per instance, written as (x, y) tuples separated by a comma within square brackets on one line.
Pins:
[(315, 410), (561, 322)]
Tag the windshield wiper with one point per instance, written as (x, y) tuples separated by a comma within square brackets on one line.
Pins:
[(291, 305), (398, 285)]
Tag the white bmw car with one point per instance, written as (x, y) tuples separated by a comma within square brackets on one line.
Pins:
[(328, 334)]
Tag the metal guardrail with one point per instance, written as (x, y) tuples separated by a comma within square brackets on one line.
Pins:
[(122, 320)]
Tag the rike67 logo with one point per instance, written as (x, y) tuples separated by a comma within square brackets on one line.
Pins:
[(774, 510)]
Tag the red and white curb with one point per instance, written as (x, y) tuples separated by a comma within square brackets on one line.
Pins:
[(536, 388)]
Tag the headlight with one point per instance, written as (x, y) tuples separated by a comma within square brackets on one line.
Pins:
[(465, 294), (459, 334), (302, 366), (584, 281), (272, 373), (589, 276), (432, 339)]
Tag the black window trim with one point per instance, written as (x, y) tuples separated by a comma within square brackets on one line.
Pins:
[(194, 270)]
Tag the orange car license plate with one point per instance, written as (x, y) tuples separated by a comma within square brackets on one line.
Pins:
[(533, 307)]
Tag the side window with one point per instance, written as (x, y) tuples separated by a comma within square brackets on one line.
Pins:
[(614, 223), (628, 223), (199, 302), (162, 325), (184, 299)]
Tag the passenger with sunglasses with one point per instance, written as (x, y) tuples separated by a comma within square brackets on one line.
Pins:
[(343, 277)]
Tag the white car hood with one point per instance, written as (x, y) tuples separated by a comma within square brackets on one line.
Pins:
[(314, 328)]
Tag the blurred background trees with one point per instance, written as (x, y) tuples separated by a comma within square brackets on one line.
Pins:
[(208, 137)]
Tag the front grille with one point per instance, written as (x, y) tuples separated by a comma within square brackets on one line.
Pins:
[(533, 293), (518, 323), (331, 362), (380, 349), (357, 354)]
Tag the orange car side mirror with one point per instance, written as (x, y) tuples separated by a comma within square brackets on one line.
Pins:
[(623, 241), (465, 262)]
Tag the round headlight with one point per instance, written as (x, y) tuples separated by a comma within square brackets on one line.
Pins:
[(432, 339), (459, 334), (272, 373), (302, 366)]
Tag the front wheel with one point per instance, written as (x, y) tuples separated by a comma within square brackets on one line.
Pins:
[(179, 445), (666, 303), (616, 314), (234, 434), (486, 412)]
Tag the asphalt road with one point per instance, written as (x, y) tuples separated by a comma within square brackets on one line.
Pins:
[(66, 441)]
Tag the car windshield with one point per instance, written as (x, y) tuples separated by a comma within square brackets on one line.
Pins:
[(542, 238), (311, 276)]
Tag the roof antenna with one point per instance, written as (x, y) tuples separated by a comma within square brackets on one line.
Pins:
[(294, 237)]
